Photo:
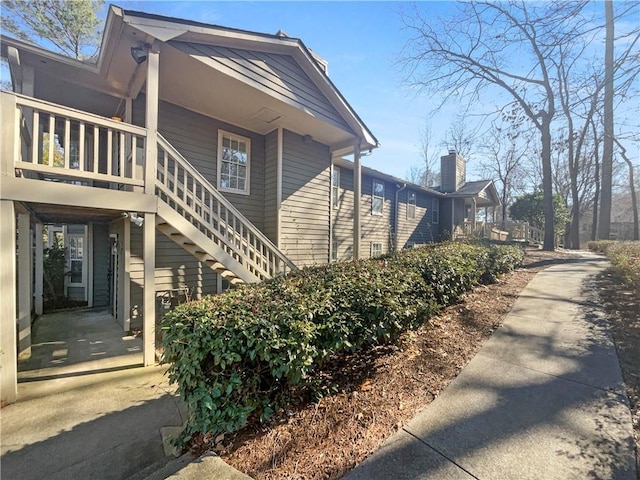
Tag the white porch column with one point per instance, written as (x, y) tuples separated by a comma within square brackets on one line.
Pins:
[(89, 253), (8, 347), (474, 206), (24, 285), (357, 199), (39, 270), (149, 290), (151, 120), (126, 296), (453, 219), (149, 235), (9, 148)]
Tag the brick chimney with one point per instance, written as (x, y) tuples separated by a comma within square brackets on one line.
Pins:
[(452, 172)]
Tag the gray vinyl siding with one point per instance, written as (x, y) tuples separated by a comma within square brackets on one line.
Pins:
[(101, 259), (175, 267), (446, 226), (380, 228), (195, 136), (342, 217), (136, 275), (420, 229), (271, 186), (117, 228), (74, 96), (306, 197), (277, 75), (376, 228), (373, 228)]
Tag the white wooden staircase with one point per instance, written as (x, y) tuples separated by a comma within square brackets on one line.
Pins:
[(196, 216)]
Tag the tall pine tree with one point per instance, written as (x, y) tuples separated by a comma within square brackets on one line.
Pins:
[(69, 26)]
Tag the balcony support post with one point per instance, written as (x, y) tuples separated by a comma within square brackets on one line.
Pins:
[(149, 290), (8, 347), (151, 119)]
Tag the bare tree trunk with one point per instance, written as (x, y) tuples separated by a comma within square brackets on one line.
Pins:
[(634, 201), (604, 228), (596, 194), (547, 186), (632, 189)]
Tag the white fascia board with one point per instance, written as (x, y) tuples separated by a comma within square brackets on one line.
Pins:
[(308, 64), (46, 54), (106, 44)]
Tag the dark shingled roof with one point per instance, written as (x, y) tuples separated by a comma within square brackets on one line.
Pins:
[(471, 188)]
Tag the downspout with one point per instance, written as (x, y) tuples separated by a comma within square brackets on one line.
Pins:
[(396, 219), (279, 161), (357, 199)]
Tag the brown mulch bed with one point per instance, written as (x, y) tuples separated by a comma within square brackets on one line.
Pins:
[(382, 389)]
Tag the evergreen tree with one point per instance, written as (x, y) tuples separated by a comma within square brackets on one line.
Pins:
[(69, 26)]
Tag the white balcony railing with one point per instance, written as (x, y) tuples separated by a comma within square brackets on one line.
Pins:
[(63, 144)]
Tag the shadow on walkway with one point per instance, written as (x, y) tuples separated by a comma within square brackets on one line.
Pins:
[(543, 398)]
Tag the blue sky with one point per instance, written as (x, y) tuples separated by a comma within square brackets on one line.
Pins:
[(360, 40)]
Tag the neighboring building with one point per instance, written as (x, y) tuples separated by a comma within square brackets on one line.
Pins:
[(464, 199), (186, 158), (395, 214)]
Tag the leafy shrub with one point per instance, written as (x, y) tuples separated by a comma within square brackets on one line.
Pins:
[(625, 258), (246, 353)]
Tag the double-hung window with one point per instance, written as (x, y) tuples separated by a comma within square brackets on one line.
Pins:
[(234, 159), (435, 210), (411, 205), (376, 249), (377, 198)]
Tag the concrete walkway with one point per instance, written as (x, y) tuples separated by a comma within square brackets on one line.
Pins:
[(543, 399), (86, 408)]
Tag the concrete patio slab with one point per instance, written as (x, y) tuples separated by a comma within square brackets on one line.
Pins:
[(85, 409)]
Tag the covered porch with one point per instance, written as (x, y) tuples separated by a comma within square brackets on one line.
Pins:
[(87, 408)]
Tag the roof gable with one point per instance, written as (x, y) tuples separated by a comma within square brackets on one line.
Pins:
[(483, 190), (173, 30), (277, 74)]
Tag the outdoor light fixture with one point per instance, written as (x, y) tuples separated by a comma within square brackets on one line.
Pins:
[(136, 219), (139, 54)]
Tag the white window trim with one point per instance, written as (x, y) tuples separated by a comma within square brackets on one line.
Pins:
[(82, 237), (247, 184), (435, 210), (335, 187), (372, 249), (334, 250), (373, 196), (415, 203)]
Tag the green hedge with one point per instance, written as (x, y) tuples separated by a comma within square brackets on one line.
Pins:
[(243, 353), (625, 258)]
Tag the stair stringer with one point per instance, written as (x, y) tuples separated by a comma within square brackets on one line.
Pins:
[(190, 238)]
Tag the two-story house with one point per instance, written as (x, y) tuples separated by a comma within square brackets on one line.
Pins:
[(185, 156)]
